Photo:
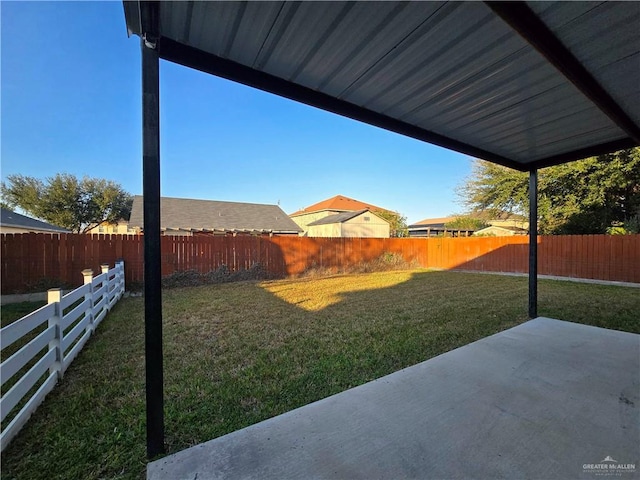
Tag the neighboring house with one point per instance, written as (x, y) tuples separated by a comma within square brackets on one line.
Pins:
[(504, 219), (435, 227), (121, 227), (496, 231), (12, 222), (331, 206), (362, 223), (184, 216)]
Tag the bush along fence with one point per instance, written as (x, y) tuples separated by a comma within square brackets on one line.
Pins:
[(38, 348), (27, 259)]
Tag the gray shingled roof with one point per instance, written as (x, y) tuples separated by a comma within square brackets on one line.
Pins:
[(13, 219), (185, 213), (338, 218)]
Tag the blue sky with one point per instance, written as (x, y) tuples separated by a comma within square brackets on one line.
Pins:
[(71, 100)]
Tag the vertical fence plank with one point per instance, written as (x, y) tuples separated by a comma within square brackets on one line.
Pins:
[(587, 256), (28, 251), (62, 257), (599, 253), (616, 255), (606, 260), (546, 254), (632, 265), (597, 256), (630, 248), (11, 264)]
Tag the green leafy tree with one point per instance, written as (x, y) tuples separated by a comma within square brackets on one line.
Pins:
[(466, 222), (67, 201), (397, 223), (586, 196)]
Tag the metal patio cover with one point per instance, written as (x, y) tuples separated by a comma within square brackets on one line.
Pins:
[(523, 84)]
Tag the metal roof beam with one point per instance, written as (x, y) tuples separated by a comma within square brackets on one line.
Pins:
[(529, 26), (206, 62), (592, 151)]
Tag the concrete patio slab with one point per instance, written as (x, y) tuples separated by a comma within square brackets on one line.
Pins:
[(545, 400)]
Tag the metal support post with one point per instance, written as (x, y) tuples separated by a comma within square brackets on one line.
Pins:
[(151, 211), (533, 244)]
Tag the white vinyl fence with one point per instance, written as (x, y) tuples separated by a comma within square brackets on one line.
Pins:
[(62, 328)]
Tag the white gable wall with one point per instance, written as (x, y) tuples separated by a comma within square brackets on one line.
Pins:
[(305, 219), (366, 224)]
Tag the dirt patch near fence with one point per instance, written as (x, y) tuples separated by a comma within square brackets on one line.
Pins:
[(193, 278), (386, 262)]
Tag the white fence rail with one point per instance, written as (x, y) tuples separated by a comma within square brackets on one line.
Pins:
[(62, 327)]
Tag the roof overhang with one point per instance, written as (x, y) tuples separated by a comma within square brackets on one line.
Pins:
[(223, 231), (522, 84), (35, 229)]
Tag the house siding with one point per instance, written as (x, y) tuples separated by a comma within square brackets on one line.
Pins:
[(497, 232), (328, 230), (304, 220), (524, 224), (119, 228), (360, 227), (375, 227)]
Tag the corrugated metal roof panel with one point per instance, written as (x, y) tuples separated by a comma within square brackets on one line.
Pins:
[(605, 37), (345, 42), (439, 78), (366, 36), (478, 64), (452, 68), (254, 26), (385, 71), (297, 37)]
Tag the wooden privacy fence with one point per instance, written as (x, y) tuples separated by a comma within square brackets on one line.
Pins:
[(42, 345), (29, 258), (601, 257)]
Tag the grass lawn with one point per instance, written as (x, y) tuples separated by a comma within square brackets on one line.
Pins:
[(14, 311), (239, 353), (9, 314)]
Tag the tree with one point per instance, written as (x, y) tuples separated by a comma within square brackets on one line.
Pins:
[(586, 196), (397, 223), (466, 222), (66, 201)]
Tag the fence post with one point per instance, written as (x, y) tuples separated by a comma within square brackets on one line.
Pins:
[(120, 264), (54, 296), (104, 268), (87, 276)]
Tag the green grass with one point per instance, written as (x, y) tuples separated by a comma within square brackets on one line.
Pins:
[(239, 353), (9, 314), (13, 311)]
